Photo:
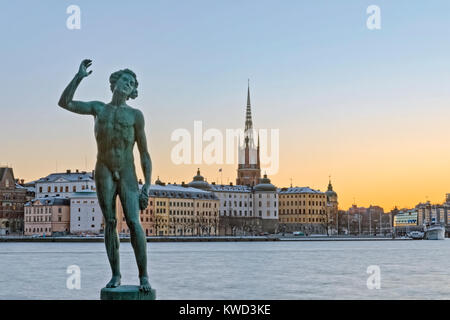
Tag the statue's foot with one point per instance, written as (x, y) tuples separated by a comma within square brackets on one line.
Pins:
[(114, 282), (144, 284)]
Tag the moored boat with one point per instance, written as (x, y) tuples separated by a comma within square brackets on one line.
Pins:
[(416, 235), (435, 232)]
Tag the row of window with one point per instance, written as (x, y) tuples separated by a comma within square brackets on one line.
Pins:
[(316, 196), (299, 203), (302, 211), (245, 204), (234, 213), (314, 220), (40, 210), (41, 219), (66, 188), (79, 218)]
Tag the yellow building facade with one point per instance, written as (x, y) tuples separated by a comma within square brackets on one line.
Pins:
[(176, 210), (302, 209)]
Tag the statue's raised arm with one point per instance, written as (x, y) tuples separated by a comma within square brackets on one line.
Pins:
[(66, 101)]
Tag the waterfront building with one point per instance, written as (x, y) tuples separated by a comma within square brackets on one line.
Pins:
[(406, 218), (246, 210), (47, 216), (64, 184), (432, 213), (85, 213), (236, 210), (249, 170), (266, 205), (176, 210), (12, 200), (302, 209)]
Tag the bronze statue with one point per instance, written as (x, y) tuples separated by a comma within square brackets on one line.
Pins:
[(117, 128)]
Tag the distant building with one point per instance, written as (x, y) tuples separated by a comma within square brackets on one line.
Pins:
[(47, 216), (176, 210), (12, 201), (432, 213), (406, 219), (64, 184), (85, 213), (302, 209), (246, 210)]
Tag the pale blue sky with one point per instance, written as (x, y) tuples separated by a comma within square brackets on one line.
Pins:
[(315, 70)]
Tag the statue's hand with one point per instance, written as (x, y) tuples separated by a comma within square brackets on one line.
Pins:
[(82, 71), (143, 197)]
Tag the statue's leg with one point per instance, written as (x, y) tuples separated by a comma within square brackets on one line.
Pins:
[(129, 196), (107, 193)]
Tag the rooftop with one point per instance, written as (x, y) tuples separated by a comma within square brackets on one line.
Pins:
[(299, 190), (67, 176)]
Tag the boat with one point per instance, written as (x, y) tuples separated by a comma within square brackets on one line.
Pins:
[(416, 235), (435, 232)]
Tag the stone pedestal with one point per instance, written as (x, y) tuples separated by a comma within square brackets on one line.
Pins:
[(126, 293)]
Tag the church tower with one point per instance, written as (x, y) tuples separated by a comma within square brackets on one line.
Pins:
[(249, 171)]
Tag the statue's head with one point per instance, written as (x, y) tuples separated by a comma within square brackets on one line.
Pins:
[(124, 81)]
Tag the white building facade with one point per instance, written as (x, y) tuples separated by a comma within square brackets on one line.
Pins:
[(85, 213), (64, 184)]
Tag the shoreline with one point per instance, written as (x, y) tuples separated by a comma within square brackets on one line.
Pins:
[(199, 239)]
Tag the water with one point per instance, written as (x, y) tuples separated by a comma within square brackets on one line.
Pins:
[(235, 270)]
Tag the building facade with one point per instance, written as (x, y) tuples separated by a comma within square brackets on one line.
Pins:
[(47, 216), (64, 184), (176, 210), (85, 214), (303, 209), (406, 218), (12, 201)]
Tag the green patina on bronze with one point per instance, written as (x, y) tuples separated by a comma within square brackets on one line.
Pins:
[(117, 128)]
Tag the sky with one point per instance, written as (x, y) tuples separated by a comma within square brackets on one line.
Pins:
[(368, 107)]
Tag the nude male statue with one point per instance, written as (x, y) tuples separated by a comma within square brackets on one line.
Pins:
[(117, 128)]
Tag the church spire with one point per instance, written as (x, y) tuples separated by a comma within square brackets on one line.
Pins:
[(248, 115)]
